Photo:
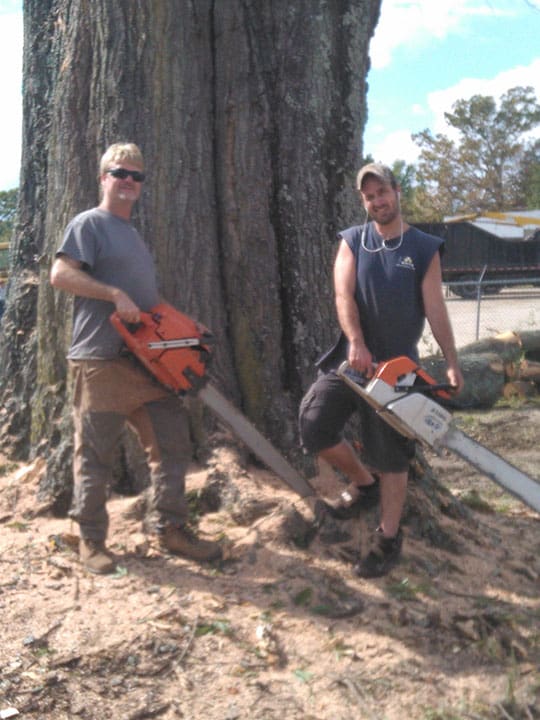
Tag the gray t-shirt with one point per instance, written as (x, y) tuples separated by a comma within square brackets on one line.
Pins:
[(111, 251)]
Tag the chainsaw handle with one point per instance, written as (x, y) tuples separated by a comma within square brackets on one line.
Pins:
[(392, 373), (121, 326), (424, 388), (132, 327), (151, 319), (146, 318), (357, 377)]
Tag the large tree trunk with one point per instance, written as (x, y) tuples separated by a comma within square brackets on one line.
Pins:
[(250, 115)]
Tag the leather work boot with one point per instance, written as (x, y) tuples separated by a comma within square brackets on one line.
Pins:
[(383, 555), (180, 540), (95, 557)]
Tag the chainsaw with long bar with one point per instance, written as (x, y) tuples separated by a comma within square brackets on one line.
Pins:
[(400, 391), (176, 350)]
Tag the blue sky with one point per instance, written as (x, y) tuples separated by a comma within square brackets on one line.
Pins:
[(425, 55), (11, 44)]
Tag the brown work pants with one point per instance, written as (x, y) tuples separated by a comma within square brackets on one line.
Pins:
[(107, 394)]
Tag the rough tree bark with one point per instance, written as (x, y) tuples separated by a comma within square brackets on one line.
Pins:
[(250, 115)]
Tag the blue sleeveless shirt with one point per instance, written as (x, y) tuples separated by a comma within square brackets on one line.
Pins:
[(388, 293)]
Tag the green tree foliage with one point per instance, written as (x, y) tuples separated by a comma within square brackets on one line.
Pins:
[(8, 208), (406, 176), (529, 186), (490, 164)]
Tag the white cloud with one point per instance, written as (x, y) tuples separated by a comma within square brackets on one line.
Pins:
[(11, 49), (418, 110), (417, 23), (441, 101), (398, 144), (395, 146)]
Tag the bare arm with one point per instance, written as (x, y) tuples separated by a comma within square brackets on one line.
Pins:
[(439, 321), (67, 274), (347, 310)]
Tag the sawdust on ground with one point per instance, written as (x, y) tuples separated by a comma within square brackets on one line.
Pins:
[(276, 631)]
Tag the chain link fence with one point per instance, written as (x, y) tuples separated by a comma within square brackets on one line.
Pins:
[(492, 308)]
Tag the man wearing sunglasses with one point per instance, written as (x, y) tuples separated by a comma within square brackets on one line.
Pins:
[(105, 264)]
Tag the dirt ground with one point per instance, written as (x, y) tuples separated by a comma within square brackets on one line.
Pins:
[(277, 631)]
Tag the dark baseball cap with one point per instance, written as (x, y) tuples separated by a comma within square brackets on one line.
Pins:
[(378, 170)]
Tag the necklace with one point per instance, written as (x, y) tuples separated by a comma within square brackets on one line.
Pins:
[(384, 243)]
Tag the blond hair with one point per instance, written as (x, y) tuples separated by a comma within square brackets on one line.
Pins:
[(121, 152)]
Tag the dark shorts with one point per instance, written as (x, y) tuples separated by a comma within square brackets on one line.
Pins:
[(324, 412)]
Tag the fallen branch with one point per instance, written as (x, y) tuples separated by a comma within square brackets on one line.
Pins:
[(190, 640), (506, 715)]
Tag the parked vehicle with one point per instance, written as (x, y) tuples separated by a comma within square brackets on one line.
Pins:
[(494, 246)]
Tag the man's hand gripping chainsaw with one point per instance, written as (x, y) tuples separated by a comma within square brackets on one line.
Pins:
[(400, 393), (160, 331)]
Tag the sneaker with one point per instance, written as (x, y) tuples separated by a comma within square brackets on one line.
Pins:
[(353, 499), (180, 540), (382, 556), (95, 557)]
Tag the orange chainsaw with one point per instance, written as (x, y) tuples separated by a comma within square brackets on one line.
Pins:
[(172, 346), (176, 350), (402, 394)]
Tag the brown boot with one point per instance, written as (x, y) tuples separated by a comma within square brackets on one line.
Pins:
[(95, 557), (180, 540)]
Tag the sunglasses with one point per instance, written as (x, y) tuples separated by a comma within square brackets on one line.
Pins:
[(122, 174)]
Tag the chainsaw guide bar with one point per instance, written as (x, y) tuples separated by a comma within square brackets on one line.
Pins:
[(397, 392)]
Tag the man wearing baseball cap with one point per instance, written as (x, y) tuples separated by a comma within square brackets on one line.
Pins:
[(387, 281)]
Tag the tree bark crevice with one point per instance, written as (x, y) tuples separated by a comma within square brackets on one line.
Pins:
[(250, 117)]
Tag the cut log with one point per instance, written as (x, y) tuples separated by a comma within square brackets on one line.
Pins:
[(507, 346), (525, 370), (510, 346), (484, 379), (492, 367), (530, 343), (519, 389)]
